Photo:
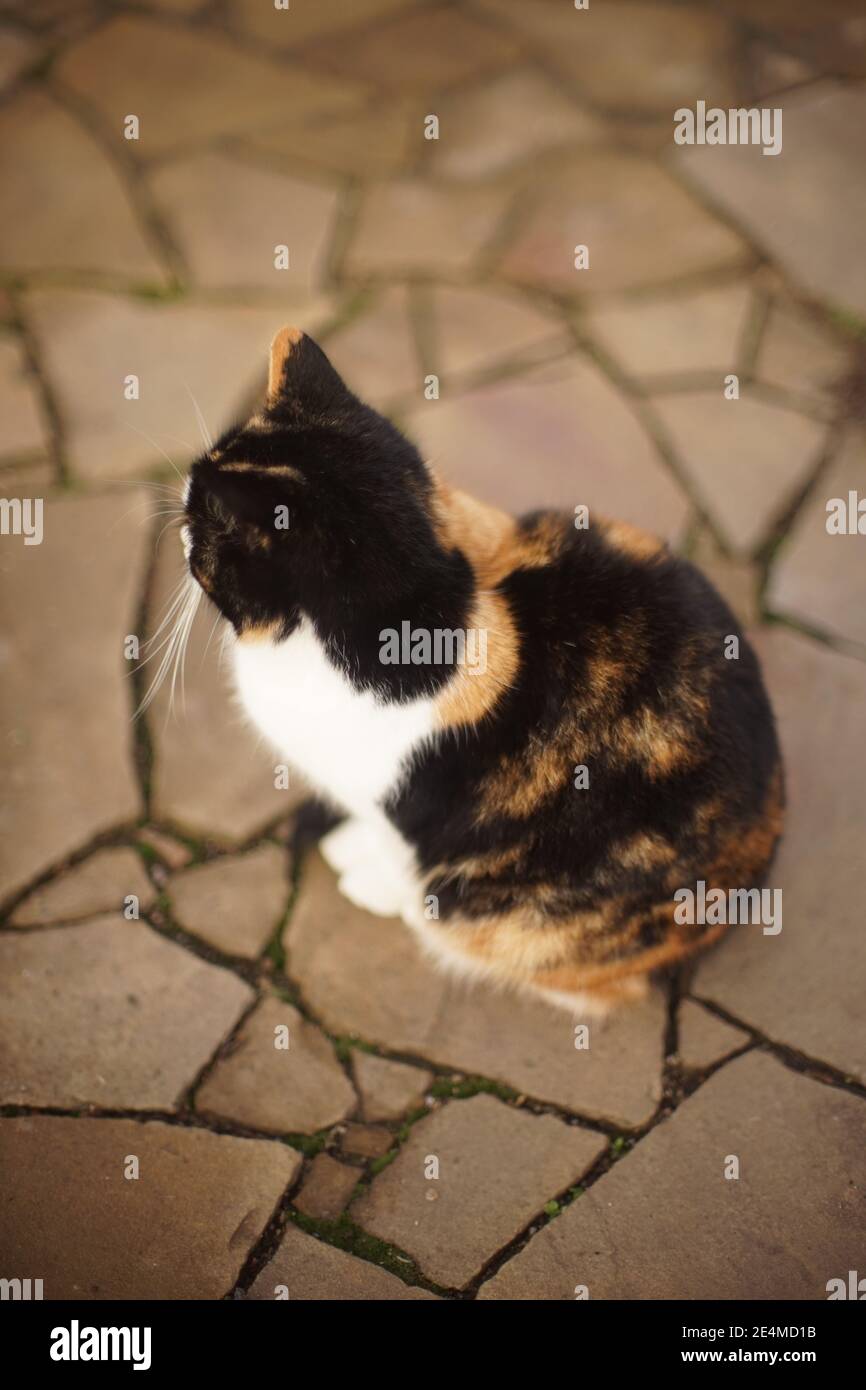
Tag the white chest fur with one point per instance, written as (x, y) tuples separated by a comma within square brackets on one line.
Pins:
[(347, 744)]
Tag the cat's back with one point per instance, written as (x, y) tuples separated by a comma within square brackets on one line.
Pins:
[(634, 674), (617, 622)]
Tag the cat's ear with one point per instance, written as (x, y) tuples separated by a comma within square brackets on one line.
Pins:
[(285, 343), (300, 375)]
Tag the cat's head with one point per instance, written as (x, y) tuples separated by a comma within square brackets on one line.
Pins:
[(316, 502)]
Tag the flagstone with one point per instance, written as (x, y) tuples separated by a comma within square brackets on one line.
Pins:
[(802, 987), (673, 334), (280, 1075), (229, 218), (747, 458), (178, 81), (409, 227), (65, 711), (782, 200), (109, 1013), (428, 46), (475, 329), (452, 1222), (667, 1223), (557, 436), (365, 142), (365, 1141), (831, 38), (51, 161), (820, 579), (327, 1188), (704, 1038), (24, 428), (181, 1229), (800, 356), (101, 883), (234, 903), (485, 130), (305, 1268), (376, 352), (632, 57), (388, 1089), (298, 22), (598, 201)]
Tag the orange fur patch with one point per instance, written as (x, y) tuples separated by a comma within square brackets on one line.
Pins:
[(267, 470), (519, 784), (282, 347), (646, 851), (631, 540), (473, 692), (259, 632)]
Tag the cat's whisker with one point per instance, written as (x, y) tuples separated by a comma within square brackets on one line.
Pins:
[(169, 638), (175, 652), (205, 432), (179, 616), (224, 641), (178, 673), (161, 672), (191, 448), (180, 658), (174, 520), (175, 493), (175, 512), (174, 601), (141, 506), (156, 651), (158, 447), (210, 636)]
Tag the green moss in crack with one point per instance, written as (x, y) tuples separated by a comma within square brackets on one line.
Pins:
[(345, 1235), (287, 994), (275, 952), (308, 1144), (347, 1043), (848, 322), (382, 1162), (411, 1119), (447, 1088), (163, 294)]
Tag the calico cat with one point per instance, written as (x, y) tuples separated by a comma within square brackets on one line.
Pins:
[(530, 809)]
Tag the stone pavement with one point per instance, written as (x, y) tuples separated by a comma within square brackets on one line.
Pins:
[(216, 1076)]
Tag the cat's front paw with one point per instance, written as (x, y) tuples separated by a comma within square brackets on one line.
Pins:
[(367, 888), (373, 865), (347, 847)]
